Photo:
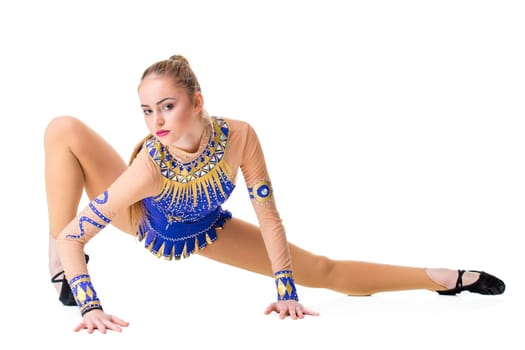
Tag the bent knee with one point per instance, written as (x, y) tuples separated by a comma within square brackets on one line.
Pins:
[(315, 273), (61, 127), (323, 264)]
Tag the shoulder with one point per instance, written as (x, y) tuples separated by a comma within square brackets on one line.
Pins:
[(151, 145), (155, 152), (145, 158), (144, 170), (238, 130), (148, 156), (235, 125)]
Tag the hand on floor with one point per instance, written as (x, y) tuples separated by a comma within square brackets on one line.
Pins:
[(98, 319), (290, 308)]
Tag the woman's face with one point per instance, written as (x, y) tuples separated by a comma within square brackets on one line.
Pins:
[(168, 110)]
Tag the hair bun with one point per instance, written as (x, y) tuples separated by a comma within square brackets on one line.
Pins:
[(179, 58)]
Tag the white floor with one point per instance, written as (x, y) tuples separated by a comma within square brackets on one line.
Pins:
[(197, 302), (393, 132)]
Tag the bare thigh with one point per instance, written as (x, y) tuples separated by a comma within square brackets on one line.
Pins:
[(68, 139), (240, 244)]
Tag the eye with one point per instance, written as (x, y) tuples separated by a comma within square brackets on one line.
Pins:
[(147, 111), (168, 107)]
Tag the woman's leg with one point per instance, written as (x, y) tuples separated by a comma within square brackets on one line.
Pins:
[(76, 158), (240, 244)]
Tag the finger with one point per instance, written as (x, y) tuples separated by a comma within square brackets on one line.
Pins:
[(300, 312), (112, 326), (119, 321), (100, 326), (291, 312), (82, 325), (310, 312), (269, 309), (283, 313), (90, 327)]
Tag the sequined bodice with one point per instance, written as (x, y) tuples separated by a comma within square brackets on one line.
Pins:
[(194, 189)]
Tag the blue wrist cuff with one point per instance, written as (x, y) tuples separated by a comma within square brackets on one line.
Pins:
[(84, 293), (285, 285)]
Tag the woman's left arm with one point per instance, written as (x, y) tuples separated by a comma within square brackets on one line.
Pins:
[(260, 189)]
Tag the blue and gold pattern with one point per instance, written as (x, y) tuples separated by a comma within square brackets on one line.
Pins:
[(261, 191), (84, 293), (184, 217), (285, 285), (193, 180), (91, 221), (180, 240)]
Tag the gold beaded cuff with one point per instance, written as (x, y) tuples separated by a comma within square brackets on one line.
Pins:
[(285, 285), (84, 293)]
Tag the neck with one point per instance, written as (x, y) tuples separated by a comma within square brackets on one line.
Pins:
[(190, 142)]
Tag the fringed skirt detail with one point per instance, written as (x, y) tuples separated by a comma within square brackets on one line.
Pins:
[(179, 239)]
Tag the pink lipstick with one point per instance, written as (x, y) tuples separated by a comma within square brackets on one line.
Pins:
[(161, 133)]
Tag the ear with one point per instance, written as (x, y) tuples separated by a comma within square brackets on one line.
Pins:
[(198, 101)]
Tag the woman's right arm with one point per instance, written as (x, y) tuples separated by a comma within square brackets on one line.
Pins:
[(140, 180)]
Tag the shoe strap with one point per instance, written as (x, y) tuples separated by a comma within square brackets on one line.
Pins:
[(459, 282), (55, 279)]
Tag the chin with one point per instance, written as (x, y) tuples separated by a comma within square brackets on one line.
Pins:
[(170, 140)]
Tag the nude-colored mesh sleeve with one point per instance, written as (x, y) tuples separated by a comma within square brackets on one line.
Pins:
[(257, 179), (138, 181)]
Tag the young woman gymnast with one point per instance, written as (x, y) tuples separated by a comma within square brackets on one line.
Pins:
[(170, 197)]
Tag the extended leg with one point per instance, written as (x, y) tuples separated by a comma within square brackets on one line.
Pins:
[(240, 244), (75, 158)]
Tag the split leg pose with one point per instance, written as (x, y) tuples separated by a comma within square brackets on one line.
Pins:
[(79, 159), (170, 197)]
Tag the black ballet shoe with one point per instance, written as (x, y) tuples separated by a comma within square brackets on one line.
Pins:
[(486, 284), (66, 295)]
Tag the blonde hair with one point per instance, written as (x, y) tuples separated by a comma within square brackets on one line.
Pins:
[(177, 68)]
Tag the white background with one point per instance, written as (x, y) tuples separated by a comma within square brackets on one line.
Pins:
[(393, 132)]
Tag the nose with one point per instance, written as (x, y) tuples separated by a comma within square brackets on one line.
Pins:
[(159, 119)]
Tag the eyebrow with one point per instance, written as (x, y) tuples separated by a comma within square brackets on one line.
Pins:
[(163, 100)]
